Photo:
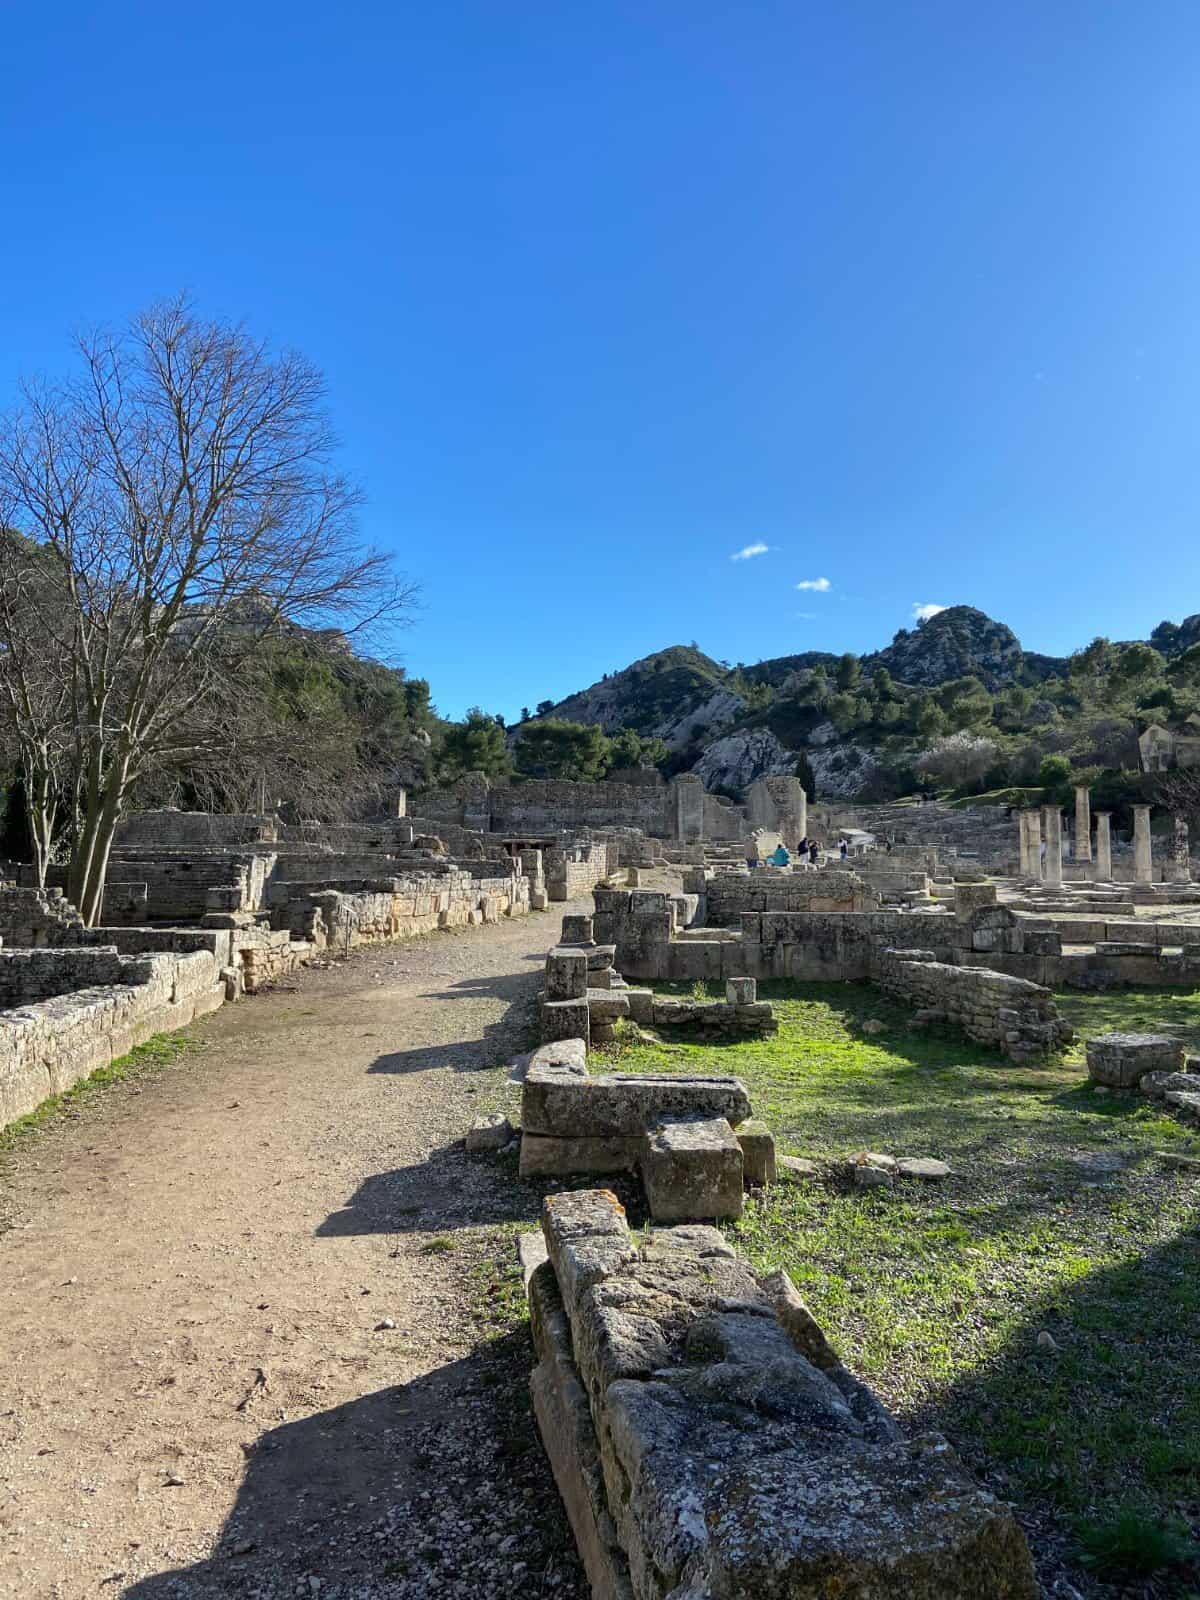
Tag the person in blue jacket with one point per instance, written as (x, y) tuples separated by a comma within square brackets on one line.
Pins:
[(780, 856)]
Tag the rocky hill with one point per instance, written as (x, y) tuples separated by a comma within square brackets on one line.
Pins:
[(858, 725)]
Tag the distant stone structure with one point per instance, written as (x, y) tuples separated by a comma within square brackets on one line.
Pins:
[(1161, 748)]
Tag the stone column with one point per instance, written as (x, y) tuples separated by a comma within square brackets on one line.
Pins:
[(1023, 843), (1181, 861), (1052, 824), (1033, 829), (1102, 871), (1083, 823), (1143, 859)]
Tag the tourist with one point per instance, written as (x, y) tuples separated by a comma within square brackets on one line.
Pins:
[(843, 849), (814, 852), (779, 856)]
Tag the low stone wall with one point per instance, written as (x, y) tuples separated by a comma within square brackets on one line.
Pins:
[(47, 1047), (1017, 1017), (342, 915), (29, 976), (707, 1441)]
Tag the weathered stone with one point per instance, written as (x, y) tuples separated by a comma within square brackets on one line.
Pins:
[(758, 1152), (599, 958), (1119, 1060), (566, 1019), (735, 1467), (566, 1106), (924, 1167), (868, 1176), (566, 974), (692, 1170), (741, 991), (491, 1132), (576, 929), (607, 1005), (641, 1006), (552, 1157), (796, 1169), (1189, 1103), (563, 1056), (1161, 1083)]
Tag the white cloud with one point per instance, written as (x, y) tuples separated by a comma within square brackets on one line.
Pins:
[(817, 585), (924, 609), (749, 550)]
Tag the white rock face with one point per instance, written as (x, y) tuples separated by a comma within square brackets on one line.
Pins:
[(840, 770), (741, 758), (721, 707)]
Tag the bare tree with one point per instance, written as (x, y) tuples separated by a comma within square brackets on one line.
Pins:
[(35, 702), (183, 491)]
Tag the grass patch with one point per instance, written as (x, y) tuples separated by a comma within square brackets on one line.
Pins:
[(1058, 1218), (163, 1050), (1133, 1545), (443, 1245)]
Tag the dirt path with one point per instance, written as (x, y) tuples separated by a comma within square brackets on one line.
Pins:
[(241, 1344)]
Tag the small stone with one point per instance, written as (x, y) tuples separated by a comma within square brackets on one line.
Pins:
[(492, 1132), (872, 1158), (867, 1176), (873, 1026), (382, 1327), (795, 1169), (924, 1167), (1046, 1341)]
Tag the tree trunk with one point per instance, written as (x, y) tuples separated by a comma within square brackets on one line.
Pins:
[(88, 808), (41, 807), (103, 826)]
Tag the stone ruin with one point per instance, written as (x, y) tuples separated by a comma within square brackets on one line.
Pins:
[(707, 1441), (692, 1140), (585, 996)]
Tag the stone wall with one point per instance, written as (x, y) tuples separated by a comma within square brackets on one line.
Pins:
[(47, 1047), (730, 894), (29, 976), (177, 828), (1017, 1017), (575, 870), (343, 914)]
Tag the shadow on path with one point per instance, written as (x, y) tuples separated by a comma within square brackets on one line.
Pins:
[(403, 1488)]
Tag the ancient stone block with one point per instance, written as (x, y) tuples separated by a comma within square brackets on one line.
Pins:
[(693, 1171), (741, 991), (758, 1152), (566, 1019), (566, 974), (606, 1005), (1119, 1060), (565, 1055), (565, 1106), (551, 1157), (576, 929), (641, 1005)]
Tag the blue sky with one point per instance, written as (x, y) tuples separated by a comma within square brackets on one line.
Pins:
[(908, 293)]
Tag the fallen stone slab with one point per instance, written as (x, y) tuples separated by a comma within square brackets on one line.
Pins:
[(692, 1171), (796, 1169), (1187, 1103), (491, 1132), (708, 1443), (926, 1168), (567, 1106)]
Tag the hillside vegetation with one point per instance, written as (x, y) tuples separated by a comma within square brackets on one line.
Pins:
[(955, 702)]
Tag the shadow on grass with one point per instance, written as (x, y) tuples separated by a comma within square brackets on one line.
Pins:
[(1101, 1425)]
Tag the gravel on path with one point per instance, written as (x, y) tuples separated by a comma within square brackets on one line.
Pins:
[(262, 1333)]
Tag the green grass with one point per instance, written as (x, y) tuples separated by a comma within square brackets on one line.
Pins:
[(1058, 1217), (159, 1052)]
